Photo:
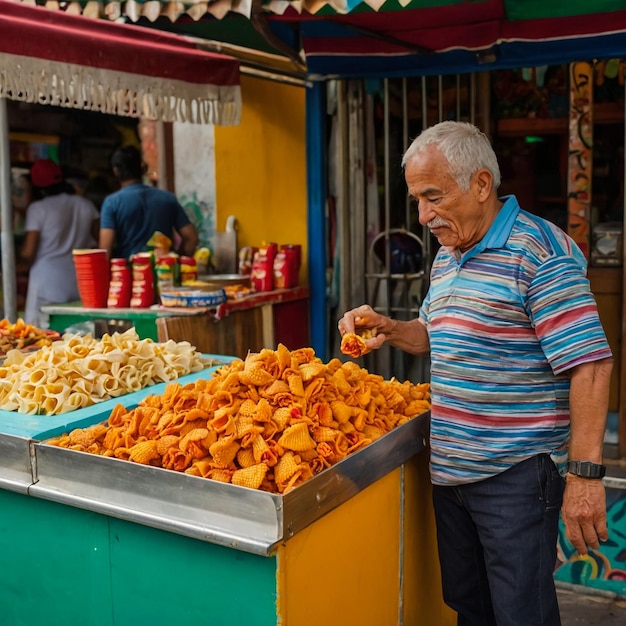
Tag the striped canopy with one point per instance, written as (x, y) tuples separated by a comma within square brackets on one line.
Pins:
[(393, 37), (53, 57)]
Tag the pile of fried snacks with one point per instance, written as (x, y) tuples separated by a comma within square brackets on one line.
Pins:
[(19, 335), (270, 422), (79, 371)]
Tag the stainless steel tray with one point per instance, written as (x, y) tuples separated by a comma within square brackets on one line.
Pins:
[(16, 463), (245, 519), (18, 430), (46, 426)]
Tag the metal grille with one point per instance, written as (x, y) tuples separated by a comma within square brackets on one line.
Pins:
[(382, 254)]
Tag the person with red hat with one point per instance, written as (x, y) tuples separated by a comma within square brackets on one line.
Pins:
[(55, 225)]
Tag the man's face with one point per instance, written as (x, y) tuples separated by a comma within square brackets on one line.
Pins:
[(455, 217)]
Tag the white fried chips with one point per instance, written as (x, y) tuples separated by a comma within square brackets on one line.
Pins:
[(269, 422), (80, 371)]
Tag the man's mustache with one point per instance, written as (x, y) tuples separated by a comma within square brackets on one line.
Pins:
[(437, 222)]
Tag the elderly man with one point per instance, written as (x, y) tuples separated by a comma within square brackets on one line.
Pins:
[(520, 370)]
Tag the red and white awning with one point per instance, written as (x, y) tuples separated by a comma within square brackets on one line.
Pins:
[(50, 57)]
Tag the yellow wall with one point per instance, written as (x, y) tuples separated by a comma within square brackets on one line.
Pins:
[(260, 166)]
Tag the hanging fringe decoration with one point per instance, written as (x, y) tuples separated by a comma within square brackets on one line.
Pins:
[(117, 93)]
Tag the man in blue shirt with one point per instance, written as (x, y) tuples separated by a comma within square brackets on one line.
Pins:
[(129, 217), (520, 373)]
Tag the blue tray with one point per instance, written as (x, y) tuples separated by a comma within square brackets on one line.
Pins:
[(40, 427)]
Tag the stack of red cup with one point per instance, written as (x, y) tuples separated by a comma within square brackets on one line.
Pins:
[(92, 275)]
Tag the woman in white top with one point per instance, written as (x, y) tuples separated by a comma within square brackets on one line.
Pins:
[(55, 225)]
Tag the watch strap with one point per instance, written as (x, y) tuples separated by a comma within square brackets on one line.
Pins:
[(586, 469)]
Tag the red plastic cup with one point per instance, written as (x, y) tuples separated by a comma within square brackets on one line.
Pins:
[(92, 277)]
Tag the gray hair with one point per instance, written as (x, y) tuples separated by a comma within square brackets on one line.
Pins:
[(466, 148)]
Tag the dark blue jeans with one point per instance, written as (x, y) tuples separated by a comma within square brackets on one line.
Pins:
[(497, 542)]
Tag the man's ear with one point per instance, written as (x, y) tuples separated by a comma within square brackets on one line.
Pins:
[(482, 183)]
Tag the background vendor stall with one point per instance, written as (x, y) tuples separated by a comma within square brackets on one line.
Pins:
[(67, 61), (260, 320)]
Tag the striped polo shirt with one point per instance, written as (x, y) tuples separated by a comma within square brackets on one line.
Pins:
[(506, 321)]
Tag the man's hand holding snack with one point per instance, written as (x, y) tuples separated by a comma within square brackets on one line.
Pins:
[(362, 330)]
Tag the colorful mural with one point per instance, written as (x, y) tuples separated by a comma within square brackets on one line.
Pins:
[(580, 156), (202, 216), (603, 569), (194, 177)]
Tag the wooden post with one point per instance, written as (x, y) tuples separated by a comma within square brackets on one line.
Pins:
[(580, 159), (6, 219)]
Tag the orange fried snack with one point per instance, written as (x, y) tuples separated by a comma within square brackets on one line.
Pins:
[(353, 345), (269, 422)]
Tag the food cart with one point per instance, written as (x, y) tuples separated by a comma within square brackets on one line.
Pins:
[(103, 541)]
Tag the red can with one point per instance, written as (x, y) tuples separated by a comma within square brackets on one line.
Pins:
[(292, 254), (188, 269), (286, 270), (120, 285), (143, 292), (262, 274), (271, 249)]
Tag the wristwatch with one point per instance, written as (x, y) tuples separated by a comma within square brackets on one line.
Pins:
[(586, 469)]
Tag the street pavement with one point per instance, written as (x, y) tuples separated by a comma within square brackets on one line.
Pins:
[(580, 608)]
